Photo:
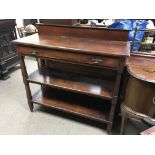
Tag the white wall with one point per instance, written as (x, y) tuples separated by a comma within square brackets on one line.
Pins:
[(19, 22)]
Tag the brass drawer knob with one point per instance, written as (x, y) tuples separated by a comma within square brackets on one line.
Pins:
[(96, 60), (34, 52), (153, 100)]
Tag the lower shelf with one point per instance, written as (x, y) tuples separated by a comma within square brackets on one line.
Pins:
[(89, 107)]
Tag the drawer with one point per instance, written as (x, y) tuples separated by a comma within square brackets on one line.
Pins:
[(26, 51), (106, 61)]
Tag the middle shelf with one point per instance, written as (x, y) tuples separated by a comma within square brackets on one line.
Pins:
[(73, 82)]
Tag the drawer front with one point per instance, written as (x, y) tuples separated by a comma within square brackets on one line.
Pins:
[(71, 57), (26, 51)]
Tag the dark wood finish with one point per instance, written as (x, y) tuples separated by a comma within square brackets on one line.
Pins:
[(139, 96), (142, 71), (73, 103), (8, 56), (91, 65), (73, 82), (27, 87), (84, 32), (107, 61), (142, 67), (71, 22), (82, 69), (75, 44), (139, 100)]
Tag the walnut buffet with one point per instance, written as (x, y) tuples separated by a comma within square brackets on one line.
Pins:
[(79, 69)]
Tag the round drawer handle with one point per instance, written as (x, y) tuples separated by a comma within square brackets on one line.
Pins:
[(96, 60), (34, 52), (153, 100)]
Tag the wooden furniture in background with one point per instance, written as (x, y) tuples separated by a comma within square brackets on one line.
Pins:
[(22, 31), (29, 21), (79, 69), (71, 22), (8, 56), (139, 99)]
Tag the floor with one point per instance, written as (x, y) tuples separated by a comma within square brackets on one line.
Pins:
[(16, 118)]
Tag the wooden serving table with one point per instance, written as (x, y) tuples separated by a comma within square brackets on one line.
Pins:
[(79, 69), (139, 100)]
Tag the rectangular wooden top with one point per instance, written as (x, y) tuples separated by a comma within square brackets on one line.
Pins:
[(78, 39), (77, 44)]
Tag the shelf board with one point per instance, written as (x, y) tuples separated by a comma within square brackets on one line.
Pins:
[(78, 104), (73, 82)]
